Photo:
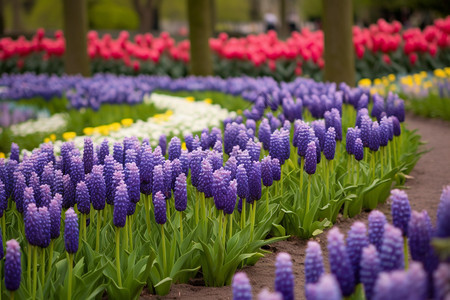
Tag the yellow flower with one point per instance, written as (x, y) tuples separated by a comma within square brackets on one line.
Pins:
[(377, 81), (208, 100), (183, 146), (88, 131), (439, 73), (115, 126), (69, 135), (46, 140), (391, 77), (365, 82), (423, 74), (53, 137), (127, 122), (427, 84), (169, 112), (239, 111), (2, 155), (447, 70), (190, 99)]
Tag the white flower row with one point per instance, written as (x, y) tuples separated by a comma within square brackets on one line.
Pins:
[(54, 123), (187, 117)]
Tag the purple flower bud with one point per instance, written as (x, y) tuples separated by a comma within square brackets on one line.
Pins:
[(195, 165), (204, 141), (442, 281), (242, 182), (158, 179), (374, 141), (443, 214), (303, 139), (19, 188), (132, 180), (13, 267), (230, 203), (254, 182), (15, 152), (384, 132), (242, 290), (120, 205), (97, 187), (330, 144), (396, 126), (34, 183), (276, 146), (82, 198), (160, 208), (339, 261), (391, 253), (48, 175), (189, 139), (264, 134), (71, 231), (417, 281), (167, 169), (180, 193), (254, 149), (55, 216), (184, 160), (108, 171), (44, 227), (243, 158), (327, 288), (419, 233), (174, 148), (146, 171), (88, 155), (369, 269), (103, 152), (205, 181), (2, 254), (231, 165), (3, 199), (356, 241), (118, 152), (400, 210), (163, 144), (76, 170), (32, 223), (220, 184), (319, 131), (311, 158), (350, 140), (313, 263), (366, 128), (276, 169), (266, 171), (377, 220), (130, 156), (284, 277), (69, 192), (46, 195), (391, 286), (358, 150)]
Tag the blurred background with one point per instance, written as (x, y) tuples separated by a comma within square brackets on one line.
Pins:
[(236, 17)]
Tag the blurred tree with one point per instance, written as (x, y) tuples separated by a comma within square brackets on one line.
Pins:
[(284, 29), (2, 18), (17, 24), (254, 11), (339, 53), (148, 11), (76, 60), (199, 16)]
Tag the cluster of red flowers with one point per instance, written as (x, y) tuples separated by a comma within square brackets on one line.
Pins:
[(266, 48)]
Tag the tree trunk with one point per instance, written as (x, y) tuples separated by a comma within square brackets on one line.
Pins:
[(2, 18), (75, 30), (339, 52), (199, 34), (145, 13), (213, 14), (254, 11), (284, 30), (17, 25)]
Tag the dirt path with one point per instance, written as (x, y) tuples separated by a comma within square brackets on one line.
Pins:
[(431, 173)]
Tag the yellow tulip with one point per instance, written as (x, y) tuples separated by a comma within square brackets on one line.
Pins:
[(127, 122), (365, 82), (69, 135), (2, 155), (190, 99)]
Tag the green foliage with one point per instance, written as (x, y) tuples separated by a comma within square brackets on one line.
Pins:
[(105, 15), (432, 106)]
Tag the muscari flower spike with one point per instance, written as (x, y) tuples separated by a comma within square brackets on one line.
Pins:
[(88, 155), (71, 231), (55, 216), (242, 290), (358, 149), (160, 208), (443, 214), (82, 198), (340, 264), (266, 171), (400, 210), (369, 269), (327, 288), (284, 277), (163, 144), (230, 202), (391, 252), (254, 182), (313, 263), (356, 241), (13, 266), (442, 281), (330, 143), (180, 193), (377, 220), (118, 153), (420, 232), (205, 182), (132, 180), (97, 187), (311, 158), (120, 205), (174, 148)]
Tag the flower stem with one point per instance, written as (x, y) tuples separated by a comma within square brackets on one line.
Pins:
[(302, 163), (224, 228), (203, 206), (69, 279), (125, 233), (230, 233), (34, 272), (119, 277), (327, 175), (83, 226), (196, 208), (147, 212), (4, 229), (252, 219), (50, 257), (309, 194), (29, 266), (243, 216), (130, 226), (267, 199), (97, 237), (181, 225), (163, 240)]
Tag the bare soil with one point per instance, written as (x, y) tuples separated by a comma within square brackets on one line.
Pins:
[(424, 187)]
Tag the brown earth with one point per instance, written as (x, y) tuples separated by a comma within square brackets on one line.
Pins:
[(424, 188)]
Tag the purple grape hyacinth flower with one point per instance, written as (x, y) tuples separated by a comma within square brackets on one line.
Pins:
[(242, 290), (71, 231), (254, 182), (242, 182), (97, 187), (265, 294), (442, 281), (76, 170), (264, 134), (330, 143), (327, 288), (180, 193), (377, 220), (205, 181), (13, 266), (284, 277), (132, 180), (163, 144), (340, 264), (230, 202), (174, 148), (400, 210), (391, 252), (369, 269), (158, 179), (103, 151), (356, 241), (118, 153), (313, 263), (160, 208), (350, 140), (266, 171), (82, 198), (88, 155), (419, 235), (443, 214), (15, 152), (374, 141), (276, 169), (32, 223), (311, 158), (55, 216), (2, 254), (120, 205), (44, 227)]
